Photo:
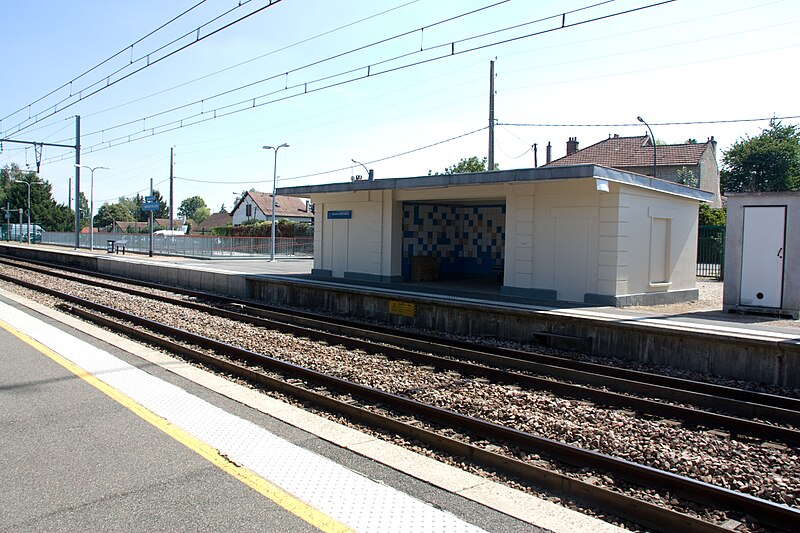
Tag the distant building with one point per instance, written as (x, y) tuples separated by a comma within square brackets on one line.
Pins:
[(223, 218), (582, 233), (674, 162), (258, 206)]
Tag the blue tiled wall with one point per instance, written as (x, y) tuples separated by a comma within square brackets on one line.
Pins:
[(468, 241)]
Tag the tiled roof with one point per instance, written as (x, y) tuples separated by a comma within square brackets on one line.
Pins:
[(626, 152), (214, 221), (285, 206)]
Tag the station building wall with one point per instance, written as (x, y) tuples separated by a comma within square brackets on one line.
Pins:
[(555, 239), (570, 242)]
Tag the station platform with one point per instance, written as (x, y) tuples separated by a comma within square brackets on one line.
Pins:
[(704, 340), (100, 433)]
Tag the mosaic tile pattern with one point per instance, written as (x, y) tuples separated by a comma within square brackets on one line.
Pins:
[(467, 240)]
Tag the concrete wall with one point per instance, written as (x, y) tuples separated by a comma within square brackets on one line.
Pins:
[(733, 251), (657, 239), (364, 246), (564, 239), (713, 353), (570, 242)]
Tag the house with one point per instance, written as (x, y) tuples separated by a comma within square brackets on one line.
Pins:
[(223, 218), (581, 233), (258, 206), (693, 164)]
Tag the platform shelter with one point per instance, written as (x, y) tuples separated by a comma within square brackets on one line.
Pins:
[(583, 233)]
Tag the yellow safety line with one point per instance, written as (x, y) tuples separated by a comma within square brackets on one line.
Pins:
[(243, 474)]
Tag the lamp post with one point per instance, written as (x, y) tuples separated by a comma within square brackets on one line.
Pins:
[(29, 208), (370, 173), (91, 203), (274, 187), (640, 119)]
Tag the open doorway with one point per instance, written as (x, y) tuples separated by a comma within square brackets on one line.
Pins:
[(454, 241)]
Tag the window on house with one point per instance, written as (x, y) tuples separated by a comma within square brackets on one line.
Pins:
[(249, 210)]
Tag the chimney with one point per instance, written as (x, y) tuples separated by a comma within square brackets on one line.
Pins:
[(549, 153), (572, 145)]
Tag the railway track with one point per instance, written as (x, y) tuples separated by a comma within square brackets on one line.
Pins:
[(640, 512), (737, 411)]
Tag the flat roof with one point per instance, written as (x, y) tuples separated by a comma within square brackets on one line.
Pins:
[(504, 176)]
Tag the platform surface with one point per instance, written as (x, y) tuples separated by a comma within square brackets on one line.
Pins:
[(95, 440)]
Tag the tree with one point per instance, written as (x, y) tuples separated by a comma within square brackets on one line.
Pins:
[(144, 216), (201, 215), (189, 206), (108, 214), (768, 162), (708, 216), (473, 164), (45, 211)]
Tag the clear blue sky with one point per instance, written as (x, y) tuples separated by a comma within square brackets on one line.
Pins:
[(685, 61)]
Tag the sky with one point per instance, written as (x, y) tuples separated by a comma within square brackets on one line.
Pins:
[(401, 86)]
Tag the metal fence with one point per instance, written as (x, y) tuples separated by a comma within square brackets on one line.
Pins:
[(206, 246), (711, 251)]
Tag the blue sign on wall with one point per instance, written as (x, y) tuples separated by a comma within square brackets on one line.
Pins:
[(341, 213)]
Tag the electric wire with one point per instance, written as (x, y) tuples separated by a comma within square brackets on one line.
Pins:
[(630, 124), (262, 56), (149, 63), (86, 72), (251, 103), (324, 172)]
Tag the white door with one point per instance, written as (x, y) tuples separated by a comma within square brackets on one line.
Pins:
[(762, 256)]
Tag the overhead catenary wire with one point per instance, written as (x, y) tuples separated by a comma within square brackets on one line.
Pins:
[(262, 56), (251, 103), (92, 69), (331, 171), (631, 124), (109, 83)]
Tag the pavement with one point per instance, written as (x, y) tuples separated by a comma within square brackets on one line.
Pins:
[(101, 433)]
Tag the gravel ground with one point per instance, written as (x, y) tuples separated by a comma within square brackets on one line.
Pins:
[(742, 465), (709, 307)]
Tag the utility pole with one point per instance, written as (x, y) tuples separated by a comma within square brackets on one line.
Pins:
[(171, 188), (151, 220), (490, 166), (37, 146), (77, 181)]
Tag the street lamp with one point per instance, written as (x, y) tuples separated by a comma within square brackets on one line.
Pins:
[(274, 187), (370, 173), (29, 207), (640, 119), (91, 203)]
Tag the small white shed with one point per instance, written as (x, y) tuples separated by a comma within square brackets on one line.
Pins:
[(762, 253), (582, 233)]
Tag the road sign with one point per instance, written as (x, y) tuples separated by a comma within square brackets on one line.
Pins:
[(149, 199), (150, 206)]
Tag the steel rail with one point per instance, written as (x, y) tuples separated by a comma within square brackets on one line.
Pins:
[(672, 388), (641, 512), (736, 426)]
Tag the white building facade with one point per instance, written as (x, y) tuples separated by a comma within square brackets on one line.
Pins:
[(582, 233)]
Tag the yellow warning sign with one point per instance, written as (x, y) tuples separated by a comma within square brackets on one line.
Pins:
[(402, 308)]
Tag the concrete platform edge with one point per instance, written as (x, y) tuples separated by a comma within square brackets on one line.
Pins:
[(517, 504)]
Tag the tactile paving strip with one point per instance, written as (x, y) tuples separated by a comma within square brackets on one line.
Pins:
[(344, 495)]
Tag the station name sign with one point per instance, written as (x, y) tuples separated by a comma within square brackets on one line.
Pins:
[(341, 213)]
